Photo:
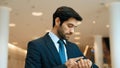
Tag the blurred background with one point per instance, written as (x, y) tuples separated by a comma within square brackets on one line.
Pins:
[(31, 19)]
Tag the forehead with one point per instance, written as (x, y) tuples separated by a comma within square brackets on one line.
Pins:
[(72, 21)]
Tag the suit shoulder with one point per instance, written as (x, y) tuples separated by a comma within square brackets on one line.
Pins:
[(71, 43), (37, 40), (40, 40)]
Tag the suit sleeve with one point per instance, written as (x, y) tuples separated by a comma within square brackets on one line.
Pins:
[(32, 57), (81, 54)]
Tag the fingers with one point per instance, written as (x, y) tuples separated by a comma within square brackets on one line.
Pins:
[(89, 62), (84, 63), (78, 62), (81, 63), (71, 63)]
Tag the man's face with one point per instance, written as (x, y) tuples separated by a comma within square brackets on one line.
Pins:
[(67, 28)]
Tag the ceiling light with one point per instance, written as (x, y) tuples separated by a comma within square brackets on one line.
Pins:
[(77, 38), (12, 25), (47, 31), (107, 26), (37, 13), (94, 22), (77, 33), (107, 5)]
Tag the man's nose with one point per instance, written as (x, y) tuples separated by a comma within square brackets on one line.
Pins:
[(72, 30)]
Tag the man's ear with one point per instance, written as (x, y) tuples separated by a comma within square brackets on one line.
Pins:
[(57, 21)]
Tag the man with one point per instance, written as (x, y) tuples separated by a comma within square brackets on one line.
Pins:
[(54, 50)]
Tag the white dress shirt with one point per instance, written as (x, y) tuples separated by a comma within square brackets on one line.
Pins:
[(55, 41)]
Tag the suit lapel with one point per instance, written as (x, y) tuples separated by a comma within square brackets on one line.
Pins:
[(68, 48), (52, 49)]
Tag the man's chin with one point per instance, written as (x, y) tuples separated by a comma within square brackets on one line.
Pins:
[(67, 38)]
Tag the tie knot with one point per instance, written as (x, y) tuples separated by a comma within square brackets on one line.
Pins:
[(61, 42)]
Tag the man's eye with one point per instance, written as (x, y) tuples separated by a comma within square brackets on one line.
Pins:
[(70, 26)]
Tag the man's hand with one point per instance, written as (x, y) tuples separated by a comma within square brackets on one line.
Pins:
[(78, 62), (84, 63)]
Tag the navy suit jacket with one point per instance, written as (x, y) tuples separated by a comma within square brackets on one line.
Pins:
[(42, 53)]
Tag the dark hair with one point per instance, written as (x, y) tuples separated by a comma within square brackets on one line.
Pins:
[(64, 13)]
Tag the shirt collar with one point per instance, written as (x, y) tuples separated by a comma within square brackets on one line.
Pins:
[(54, 37)]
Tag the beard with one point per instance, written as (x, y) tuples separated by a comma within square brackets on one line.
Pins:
[(61, 33)]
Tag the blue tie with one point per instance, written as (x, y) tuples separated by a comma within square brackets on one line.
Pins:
[(62, 51)]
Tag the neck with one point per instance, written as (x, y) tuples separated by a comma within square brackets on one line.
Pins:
[(54, 30)]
